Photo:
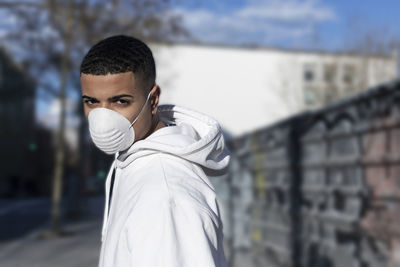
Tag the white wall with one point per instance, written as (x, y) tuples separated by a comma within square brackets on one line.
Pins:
[(244, 89)]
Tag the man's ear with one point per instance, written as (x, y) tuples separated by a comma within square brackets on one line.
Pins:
[(154, 99)]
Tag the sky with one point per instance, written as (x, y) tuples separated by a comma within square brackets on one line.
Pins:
[(299, 24), (330, 25)]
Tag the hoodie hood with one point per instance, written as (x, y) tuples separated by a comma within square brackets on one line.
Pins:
[(190, 135)]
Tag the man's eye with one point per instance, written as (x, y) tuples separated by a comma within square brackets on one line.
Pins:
[(122, 102), (89, 101)]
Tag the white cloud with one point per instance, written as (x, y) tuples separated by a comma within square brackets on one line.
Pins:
[(258, 22), (287, 11)]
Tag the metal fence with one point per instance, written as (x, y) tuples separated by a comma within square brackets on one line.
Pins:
[(321, 188)]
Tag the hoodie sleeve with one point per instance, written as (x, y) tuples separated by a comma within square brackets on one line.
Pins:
[(174, 233)]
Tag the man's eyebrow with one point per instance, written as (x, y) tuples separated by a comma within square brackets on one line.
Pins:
[(116, 97), (89, 97), (113, 98)]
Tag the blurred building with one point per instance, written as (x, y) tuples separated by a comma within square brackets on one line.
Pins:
[(248, 88), (16, 126)]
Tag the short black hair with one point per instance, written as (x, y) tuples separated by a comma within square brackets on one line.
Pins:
[(119, 54)]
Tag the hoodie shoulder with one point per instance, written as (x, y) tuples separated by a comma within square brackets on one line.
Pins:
[(194, 136), (186, 182)]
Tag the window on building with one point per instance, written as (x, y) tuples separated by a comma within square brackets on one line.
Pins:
[(311, 96), (329, 73), (309, 72), (349, 72), (331, 94)]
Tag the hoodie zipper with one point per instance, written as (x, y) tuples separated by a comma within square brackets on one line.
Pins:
[(107, 210), (107, 207)]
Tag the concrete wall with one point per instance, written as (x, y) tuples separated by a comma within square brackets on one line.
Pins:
[(245, 89)]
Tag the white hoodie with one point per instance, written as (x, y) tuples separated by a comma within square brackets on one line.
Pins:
[(164, 211)]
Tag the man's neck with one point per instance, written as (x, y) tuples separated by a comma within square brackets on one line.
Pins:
[(156, 124)]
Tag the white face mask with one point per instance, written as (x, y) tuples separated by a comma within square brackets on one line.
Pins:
[(110, 131)]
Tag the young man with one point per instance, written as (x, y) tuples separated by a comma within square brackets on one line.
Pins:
[(161, 209)]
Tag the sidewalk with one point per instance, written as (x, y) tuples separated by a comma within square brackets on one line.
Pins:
[(80, 249)]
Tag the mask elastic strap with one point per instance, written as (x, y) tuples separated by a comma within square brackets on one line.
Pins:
[(148, 96)]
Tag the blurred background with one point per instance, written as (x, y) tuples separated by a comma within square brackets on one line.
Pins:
[(306, 92)]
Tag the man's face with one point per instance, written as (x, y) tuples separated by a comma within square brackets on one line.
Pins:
[(118, 92)]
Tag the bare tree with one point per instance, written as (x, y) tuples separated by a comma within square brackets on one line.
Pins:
[(375, 47), (51, 36)]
